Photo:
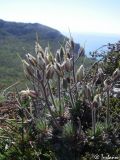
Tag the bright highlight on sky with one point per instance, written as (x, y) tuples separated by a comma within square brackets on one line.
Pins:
[(101, 16)]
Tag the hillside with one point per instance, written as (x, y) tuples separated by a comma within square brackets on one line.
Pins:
[(19, 38)]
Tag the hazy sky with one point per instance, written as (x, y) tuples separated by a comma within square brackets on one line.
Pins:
[(79, 15)]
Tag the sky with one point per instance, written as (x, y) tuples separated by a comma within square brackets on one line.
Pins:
[(98, 16)]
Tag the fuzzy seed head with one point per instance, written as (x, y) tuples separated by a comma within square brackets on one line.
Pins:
[(100, 71), (49, 71), (88, 93), (116, 74), (107, 83), (68, 65), (97, 100), (58, 69), (27, 68), (41, 62), (25, 64), (27, 93), (80, 73), (32, 60), (57, 56), (38, 49)]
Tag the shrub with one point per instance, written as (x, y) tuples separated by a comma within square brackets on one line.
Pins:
[(66, 112)]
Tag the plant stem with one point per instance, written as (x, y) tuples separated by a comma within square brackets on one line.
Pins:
[(108, 108), (59, 95), (93, 120), (47, 103), (22, 131), (51, 96), (73, 66), (74, 80), (71, 98)]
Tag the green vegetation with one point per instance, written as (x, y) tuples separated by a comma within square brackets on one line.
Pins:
[(19, 38), (66, 112), (16, 39)]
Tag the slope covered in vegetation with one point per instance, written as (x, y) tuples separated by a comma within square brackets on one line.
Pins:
[(19, 38)]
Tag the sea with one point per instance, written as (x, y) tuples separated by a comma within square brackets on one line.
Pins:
[(92, 41)]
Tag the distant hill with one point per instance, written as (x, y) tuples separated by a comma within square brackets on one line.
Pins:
[(26, 32), (20, 38)]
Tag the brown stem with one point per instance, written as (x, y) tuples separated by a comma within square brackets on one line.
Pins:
[(59, 95), (48, 105), (93, 119), (71, 98), (108, 109), (51, 96), (74, 80), (73, 66)]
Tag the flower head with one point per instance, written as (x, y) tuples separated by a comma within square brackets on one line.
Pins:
[(80, 73)]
